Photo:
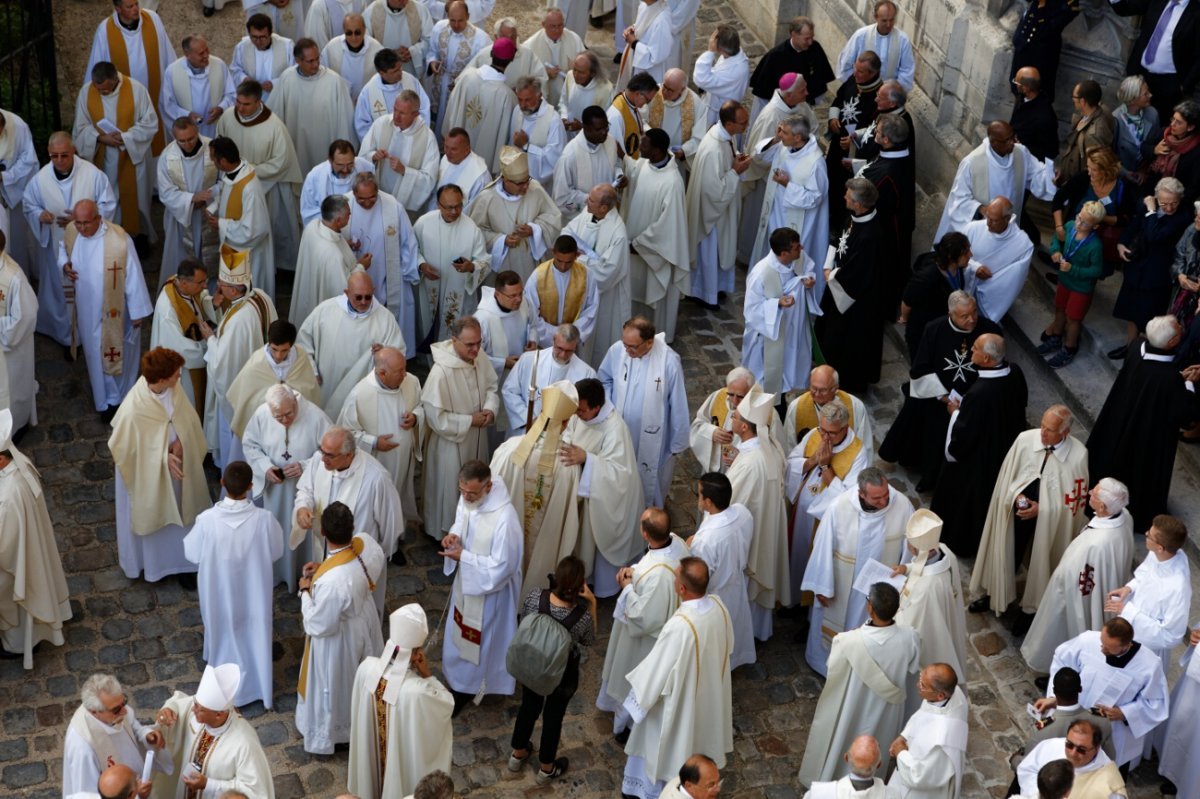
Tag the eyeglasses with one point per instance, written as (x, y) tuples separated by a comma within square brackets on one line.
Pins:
[(354, 33), (1074, 747), (361, 297), (331, 455), (115, 710), (458, 207)]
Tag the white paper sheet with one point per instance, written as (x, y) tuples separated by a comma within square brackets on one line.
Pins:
[(875, 572)]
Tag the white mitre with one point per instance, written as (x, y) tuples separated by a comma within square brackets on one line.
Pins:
[(219, 686), (756, 407), (924, 532), (407, 630)]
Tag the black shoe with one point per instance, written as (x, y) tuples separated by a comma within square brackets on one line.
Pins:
[(398, 558), (622, 737), (1119, 353), (208, 12), (68, 355), (461, 700), (1021, 624), (108, 413), (141, 243), (187, 581), (1042, 683), (1052, 278), (1168, 788), (277, 651), (617, 57), (1049, 345), (981, 605), (6, 655)]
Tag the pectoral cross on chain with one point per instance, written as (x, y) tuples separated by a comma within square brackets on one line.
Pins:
[(658, 384), (115, 269)]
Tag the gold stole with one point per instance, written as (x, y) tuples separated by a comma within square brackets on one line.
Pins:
[(687, 114), (632, 122), (120, 59), (126, 171), (259, 305), (411, 16), (112, 307), (188, 322), (381, 719), (347, 555), (233, 204), (205, 743), (840, 462), (806, 411), (547, 290)]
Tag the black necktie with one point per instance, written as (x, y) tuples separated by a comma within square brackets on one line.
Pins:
[(1049, 451)]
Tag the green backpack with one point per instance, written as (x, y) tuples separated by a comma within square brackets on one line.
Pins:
[(537, 656)]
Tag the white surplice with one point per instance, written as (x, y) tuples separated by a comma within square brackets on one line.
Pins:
[(178, 179), (339, 340), (471, 175), (316, 110), (656, 220), (713, 209), (723, 78), (18, 318), (1159, 605), (604, 250), (342, 628), (534, 372), (321, 182), (777, 345), (983, 176), (384, 232), (235, 546), (453, 293), (90, 745), (931, 602), (1007, 255), (723, 542), (932, 765)]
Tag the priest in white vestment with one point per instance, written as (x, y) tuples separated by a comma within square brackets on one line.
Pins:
[(217, 750), (556, 45), (871, 670), (483, 550), (597, 439), (460, 166), (537, 370), (757, 476), (400, 727), (241, 332), (1026, 512), (287, 16), (449, 48), (314, 103), (780, 301), (796, 183), (34, 602), (892, 46), (324, 18), (714, 204), (656, 223), (111, 302), (1000, 167), (722, 71), (335, 175), (197, 86), (722, 540), (452, 260), (931, 601), (858, 529), (482, 103), (587, 161), (380, 230), (1158, 599), (600, 234), (401, 26), (18, 318), (461, 399), (823, 386), (186, 181), (263, 140), (280, 438), (503, 317), (379, 94), (326, 259), (352, 55), (341, 625), (1179, 754), (1121, 678), (234, 546), (1096, 563), (647, 601), (824, 465), (279, 362), (561, 291), (644, 379), (104, 731), (518, 219), (385, 414), (930, 750), (585, 85), (242, 215), (679, 695), (48, 200), (1096, 776), (537, 129), (679, 111), (262, 54), (523, 61), (863, 758), (404, 152), (342, 333), (712, 438), (158, 451), (645, 42), (545, 491), (1000, 256), (20, 165), (115, 126)]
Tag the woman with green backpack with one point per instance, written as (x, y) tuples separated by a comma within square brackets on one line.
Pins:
[(555, 623)]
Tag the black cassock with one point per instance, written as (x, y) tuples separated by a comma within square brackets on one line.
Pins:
[(917, 438), (990, 418), (857, 106), (781, 59), (1136, 434), (852, 341), (894, 175)]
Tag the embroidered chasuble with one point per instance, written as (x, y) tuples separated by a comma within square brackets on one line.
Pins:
[(112, 320)]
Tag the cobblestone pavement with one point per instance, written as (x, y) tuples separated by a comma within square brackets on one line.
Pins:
[(150, 635)]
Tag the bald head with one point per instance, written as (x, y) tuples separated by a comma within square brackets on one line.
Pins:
[(997, 214), (1001, 137), (360, 291), (674, 84), (863, 757), (117, 782), (85, 211)]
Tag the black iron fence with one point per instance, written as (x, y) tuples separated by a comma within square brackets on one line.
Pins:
[(28, 80)]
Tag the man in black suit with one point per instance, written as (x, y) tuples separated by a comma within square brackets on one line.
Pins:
[(1033, 117), (1165, 51)]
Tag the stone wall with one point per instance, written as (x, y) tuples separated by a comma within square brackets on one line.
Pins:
[(963, 55)]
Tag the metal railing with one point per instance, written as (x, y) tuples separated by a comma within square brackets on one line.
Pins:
[(28, 76)]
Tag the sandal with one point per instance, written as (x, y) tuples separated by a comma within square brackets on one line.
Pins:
[(547, 777)]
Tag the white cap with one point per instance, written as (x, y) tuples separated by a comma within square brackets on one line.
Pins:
[(924, 530), (408, 626), (756, 407), (219, 686)]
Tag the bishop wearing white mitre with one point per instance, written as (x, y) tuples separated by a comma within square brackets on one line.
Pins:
[(931, 601)]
